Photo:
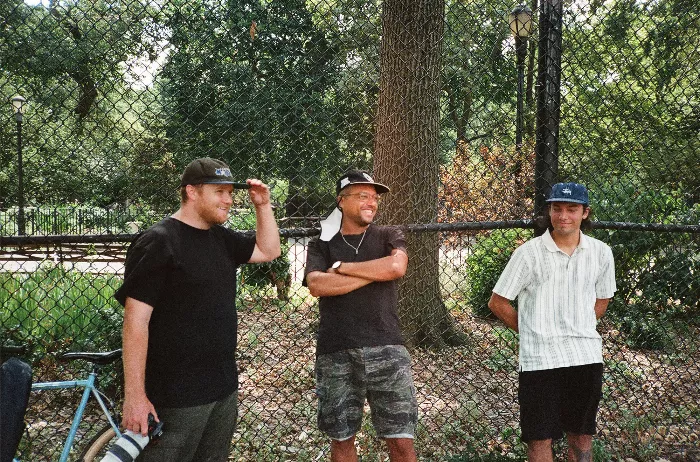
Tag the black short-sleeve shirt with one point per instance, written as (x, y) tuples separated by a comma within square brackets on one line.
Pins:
[(366, 316), (188, 276)]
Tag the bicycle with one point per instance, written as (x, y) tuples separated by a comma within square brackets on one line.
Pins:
[(101, 442)]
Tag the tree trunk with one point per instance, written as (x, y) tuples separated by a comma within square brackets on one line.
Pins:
[(407, 158)]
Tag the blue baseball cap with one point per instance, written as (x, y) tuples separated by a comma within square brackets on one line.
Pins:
[(569, 192)]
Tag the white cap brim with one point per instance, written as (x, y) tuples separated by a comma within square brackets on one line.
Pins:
[(331, 225)]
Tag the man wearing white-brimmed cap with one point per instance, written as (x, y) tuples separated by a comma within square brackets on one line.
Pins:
[(360, 355)]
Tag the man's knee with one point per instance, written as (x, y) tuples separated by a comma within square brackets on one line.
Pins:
[(342, 451), (344, 445), (580, 440), (580, 446), (401, 449), (539, 450)]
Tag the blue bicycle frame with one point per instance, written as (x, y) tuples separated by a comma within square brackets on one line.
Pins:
[(89, 386)]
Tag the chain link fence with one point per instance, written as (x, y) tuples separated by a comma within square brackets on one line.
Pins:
[(121, 95)]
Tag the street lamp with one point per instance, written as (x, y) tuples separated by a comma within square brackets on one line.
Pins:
[(520, 20), (19, 104)]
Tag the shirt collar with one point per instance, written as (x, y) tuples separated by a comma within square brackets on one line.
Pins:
[(584, 242)]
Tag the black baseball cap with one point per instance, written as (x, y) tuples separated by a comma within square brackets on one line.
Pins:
[(206, 171), (358, 177)]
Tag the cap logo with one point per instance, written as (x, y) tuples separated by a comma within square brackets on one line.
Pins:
[(566, 191), (367, 177), (223, 172), (344, 182)]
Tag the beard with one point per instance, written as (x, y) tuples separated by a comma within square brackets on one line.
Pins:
[(361, 220), (213, 216)]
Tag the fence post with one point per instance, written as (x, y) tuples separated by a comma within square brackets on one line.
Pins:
[(548, 103)]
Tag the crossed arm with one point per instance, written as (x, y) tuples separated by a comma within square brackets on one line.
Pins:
[(353, 275)]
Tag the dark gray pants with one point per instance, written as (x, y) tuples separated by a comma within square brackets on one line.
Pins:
[(200, 433)]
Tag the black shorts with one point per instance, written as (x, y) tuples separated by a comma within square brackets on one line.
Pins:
[(554, 401)]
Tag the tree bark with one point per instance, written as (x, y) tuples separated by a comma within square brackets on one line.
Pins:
[(407, 158)]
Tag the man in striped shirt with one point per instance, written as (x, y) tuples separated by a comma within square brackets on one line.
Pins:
[(563, 281)]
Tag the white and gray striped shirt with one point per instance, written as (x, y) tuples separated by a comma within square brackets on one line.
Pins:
[(556, 296)]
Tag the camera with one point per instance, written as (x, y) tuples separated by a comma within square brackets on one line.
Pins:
[(129, 446), (155, 429)]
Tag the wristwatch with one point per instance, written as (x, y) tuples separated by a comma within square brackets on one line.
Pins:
[(336, 265)]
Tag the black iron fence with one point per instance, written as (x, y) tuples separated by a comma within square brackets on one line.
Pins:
[(120, 96)]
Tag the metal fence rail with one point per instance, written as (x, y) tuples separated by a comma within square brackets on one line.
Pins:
[(469, 125)]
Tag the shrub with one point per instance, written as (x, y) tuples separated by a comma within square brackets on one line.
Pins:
[(486, 263), (275, 273), (656, 272), (64, 309), (658, 286)]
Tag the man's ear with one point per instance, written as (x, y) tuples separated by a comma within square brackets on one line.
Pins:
[(586, 212), (337, 203), (191, 191)]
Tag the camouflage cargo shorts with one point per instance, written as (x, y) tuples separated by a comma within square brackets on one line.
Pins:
[(382, 376)]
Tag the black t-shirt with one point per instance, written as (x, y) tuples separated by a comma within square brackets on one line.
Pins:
[(188, 276), (366, 316)]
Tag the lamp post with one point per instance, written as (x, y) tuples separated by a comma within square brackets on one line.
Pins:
[(520, 20), (19, 104), (548, 90)]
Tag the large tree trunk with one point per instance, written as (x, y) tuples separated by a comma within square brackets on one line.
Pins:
[(406, 157)]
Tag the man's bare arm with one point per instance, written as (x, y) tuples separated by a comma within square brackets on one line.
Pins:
[(353, 275), (329, 284), (601, 305), (267, 237), (382, 269), (137, 406), (502, 308)]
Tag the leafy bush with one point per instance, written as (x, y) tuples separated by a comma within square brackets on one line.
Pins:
[(645, 331), (656, 273), (485, 265), (275, 273), (60, 310)]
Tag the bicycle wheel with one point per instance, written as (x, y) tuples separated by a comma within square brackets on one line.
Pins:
[(99, 444)]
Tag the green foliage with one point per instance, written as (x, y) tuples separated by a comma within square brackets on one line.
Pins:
[(275, 273), (504, 355), (60, 310), (248, 49), (633, 117), (68, 59), (485, 265), (656, 273), (477, 104), (600, 453)]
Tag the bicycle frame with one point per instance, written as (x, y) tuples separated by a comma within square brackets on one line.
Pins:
[(89, 389)]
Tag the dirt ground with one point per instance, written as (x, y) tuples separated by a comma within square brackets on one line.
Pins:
[(467, 396)]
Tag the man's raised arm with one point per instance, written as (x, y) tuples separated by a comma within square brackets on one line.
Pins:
[(267, 235)]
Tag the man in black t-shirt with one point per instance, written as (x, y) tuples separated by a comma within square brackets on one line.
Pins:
[(179, 336), (353, 268)]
